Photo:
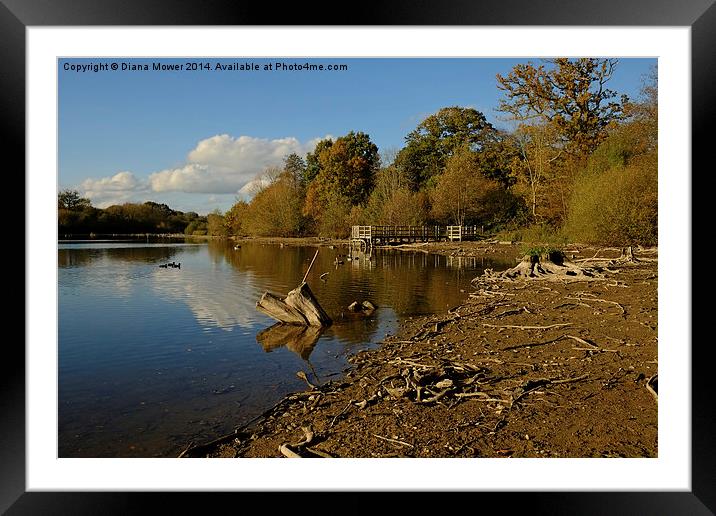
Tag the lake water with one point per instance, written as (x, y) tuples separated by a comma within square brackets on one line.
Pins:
[(151, 359)]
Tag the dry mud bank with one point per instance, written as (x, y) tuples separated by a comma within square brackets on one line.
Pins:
[(533, 368)]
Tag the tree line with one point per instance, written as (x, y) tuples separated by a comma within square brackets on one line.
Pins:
[(77, 216), (574, 161)]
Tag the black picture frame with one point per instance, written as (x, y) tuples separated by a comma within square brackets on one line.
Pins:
[(16, 15)]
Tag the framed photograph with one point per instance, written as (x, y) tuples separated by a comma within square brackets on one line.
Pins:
[(131, 103)]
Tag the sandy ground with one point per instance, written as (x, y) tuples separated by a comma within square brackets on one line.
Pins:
[(536, 368)]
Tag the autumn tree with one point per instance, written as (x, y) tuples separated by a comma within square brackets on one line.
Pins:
[(570, 94), (335, 219), (234, 218), (393, 203), (197, 227), (215, 224), (346, 171), (275, 210), (463, 195), (313, 165), (535, 169), (437, 137), (615, 197), (349, 166)]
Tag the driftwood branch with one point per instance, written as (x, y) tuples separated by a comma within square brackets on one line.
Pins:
[(570, 380), (600, 300), (652, 380), (402, 443), (305, 276), (287, 450), (512, 326)]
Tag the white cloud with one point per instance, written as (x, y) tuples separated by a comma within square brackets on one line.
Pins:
[(192, 177), (119, 188), (214, 301), (222, 164), (225, 164)]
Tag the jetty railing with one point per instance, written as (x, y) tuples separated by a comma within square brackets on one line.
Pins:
[(463, 232), (387, 234)]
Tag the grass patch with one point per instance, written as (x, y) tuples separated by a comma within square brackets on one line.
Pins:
[(535, 236)]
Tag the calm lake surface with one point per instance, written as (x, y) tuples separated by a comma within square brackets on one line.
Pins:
[(151, 359)]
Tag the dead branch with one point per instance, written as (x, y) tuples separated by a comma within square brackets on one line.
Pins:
[(652, 380), (601, 300), (303, 377), (512, 326), (403, 443), (186, 450), (511, 312), (319, 453), (581, 341), (589, 259), (286, 448), (570, 380), (333, 421), (309, 267), (533, 344)]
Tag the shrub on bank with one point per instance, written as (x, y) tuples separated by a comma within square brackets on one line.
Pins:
[(537, 235), (616, 207)]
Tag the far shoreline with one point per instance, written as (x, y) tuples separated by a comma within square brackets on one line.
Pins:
[(466, 248)]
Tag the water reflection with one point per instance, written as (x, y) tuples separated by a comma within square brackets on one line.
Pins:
[(299, 339), (409, 282), (216, 299), (82, 254), (151, 358)]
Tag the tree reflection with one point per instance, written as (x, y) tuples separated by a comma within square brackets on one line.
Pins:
[(410, 283), (80, 256)]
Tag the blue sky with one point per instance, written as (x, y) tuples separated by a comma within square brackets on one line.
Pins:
[(194, 138)]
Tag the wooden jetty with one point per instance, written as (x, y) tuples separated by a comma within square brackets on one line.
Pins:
[(367, 236)]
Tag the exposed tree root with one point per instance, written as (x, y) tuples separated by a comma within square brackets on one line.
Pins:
[(601, 301), (552, 266)]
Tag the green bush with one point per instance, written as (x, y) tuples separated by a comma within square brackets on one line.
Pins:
[(537, 236), (616, 207)]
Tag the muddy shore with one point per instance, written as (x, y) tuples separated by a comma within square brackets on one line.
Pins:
[(533, 368)]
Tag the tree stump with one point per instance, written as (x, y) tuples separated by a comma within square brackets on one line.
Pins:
[(299, 306), (627, 255), (277, 308), (550, 265)]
